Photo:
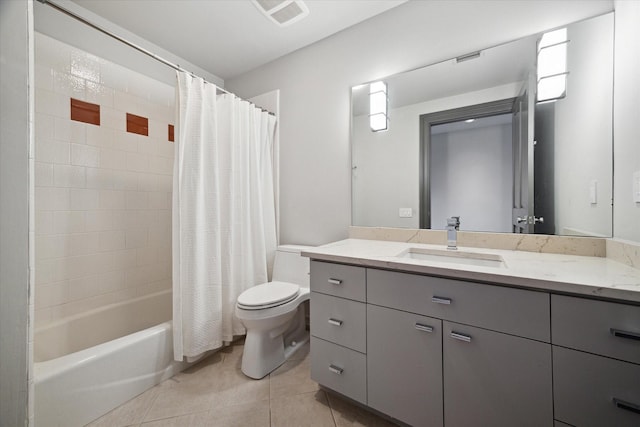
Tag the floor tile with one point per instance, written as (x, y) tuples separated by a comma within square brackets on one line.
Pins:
[(252, 414), (346, 414), (129, 413), (198, 419), (215, 393), (190, 391), (309, 409), (231, 387), (293, 377)]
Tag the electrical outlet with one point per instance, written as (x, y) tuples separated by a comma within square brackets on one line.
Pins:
[(636, 187), (405, 212)]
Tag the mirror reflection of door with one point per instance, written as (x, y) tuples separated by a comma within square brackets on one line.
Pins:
[(471, 173), (522, 213), (477, 163)]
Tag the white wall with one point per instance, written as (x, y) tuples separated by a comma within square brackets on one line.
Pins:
[(587, 146), (387, 164), (315, 87), (626, 124), (472, 177), (14, 211), (102, 194), (66, 29)]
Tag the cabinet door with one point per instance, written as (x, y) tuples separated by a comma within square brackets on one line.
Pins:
[(495, 379), (404, 365), (591, 391)]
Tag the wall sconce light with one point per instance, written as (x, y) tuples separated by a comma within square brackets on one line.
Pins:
[(552, 66), (378, 104)]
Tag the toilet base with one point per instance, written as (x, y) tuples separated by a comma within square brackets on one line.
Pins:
[(264, 351)]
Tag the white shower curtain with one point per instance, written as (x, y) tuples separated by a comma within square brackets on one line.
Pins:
[(224, 221)]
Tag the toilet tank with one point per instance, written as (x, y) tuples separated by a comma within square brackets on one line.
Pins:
[(290, 266)]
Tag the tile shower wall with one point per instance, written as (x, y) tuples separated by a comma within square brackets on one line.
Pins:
[(102, 194)]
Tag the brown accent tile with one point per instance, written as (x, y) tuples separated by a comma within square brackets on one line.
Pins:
[(171, 136), (137, 124), (85, 112)]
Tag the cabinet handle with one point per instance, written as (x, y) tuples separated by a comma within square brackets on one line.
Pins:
[(440, 300), (336, 370), (625, 334), (461, 337), (628, 406), (425, 328), (335, 281), (335, 322)]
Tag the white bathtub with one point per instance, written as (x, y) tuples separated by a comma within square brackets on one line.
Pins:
[(76, 388)]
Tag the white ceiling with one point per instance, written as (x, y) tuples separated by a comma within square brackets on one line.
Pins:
[(230, 37)]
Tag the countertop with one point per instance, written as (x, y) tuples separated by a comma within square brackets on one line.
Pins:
[(580, 275)]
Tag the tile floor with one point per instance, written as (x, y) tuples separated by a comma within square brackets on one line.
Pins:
[(214, 392)]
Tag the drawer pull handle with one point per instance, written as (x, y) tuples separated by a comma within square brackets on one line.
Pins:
[(625, 334), (336, 370), (440, 300), (425, 328), (335, 281), (335, 322), (461, 337), (628, 406)]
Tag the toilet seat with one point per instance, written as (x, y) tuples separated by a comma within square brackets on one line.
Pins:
[(267, 295)]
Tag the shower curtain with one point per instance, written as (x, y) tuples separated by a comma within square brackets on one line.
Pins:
[(224, 223)]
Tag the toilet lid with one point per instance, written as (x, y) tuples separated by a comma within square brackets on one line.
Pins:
[(268, 295)]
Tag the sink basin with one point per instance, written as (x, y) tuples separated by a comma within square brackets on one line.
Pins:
[(454, 257)]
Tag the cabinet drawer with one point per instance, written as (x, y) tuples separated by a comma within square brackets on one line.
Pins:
[(592, 390), (513, 311), (340, 280), (606, 328), (339, 368), (339, 320), (495, 379)]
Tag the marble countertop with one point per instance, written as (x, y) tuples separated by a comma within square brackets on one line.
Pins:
[(581, 275)]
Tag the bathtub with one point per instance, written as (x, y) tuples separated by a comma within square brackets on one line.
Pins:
[(74, 385)]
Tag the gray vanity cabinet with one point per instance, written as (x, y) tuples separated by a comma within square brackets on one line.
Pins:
[(433, 351), (596, 362), (495, 379), (404, 365)]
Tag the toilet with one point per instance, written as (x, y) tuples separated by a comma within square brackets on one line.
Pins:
[(274, 315)]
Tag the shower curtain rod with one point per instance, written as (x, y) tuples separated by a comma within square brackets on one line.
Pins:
[(138, 48)]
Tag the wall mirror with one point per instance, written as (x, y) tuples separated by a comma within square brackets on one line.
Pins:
[(467, 137)]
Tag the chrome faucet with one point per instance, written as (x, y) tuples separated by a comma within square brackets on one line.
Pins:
[(453, 225)]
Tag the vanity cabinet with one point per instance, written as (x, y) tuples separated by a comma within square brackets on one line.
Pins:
[(433, 351), (596, 362), (404, 365)]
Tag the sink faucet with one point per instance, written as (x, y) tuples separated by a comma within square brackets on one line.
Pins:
[(453, 224)]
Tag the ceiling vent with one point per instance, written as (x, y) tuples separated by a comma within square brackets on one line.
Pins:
[(283, 12)]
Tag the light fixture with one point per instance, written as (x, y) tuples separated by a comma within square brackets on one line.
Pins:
[(470, 120), (552, 66), (378, 104)]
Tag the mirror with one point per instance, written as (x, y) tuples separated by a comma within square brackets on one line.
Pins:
[(466, 137)]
